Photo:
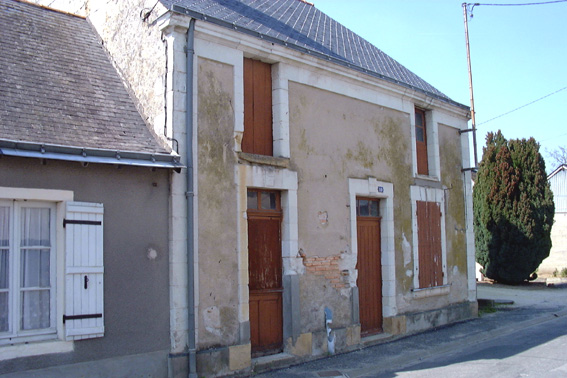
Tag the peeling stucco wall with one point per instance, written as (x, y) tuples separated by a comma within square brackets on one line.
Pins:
[(333, 138), (134, 46), (137, 51), (217, 233), (452, 180)]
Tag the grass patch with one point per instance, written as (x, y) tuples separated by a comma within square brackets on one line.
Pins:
[(562, 273)]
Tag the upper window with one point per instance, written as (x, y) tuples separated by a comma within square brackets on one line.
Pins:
[(421, 142), (258, 137)]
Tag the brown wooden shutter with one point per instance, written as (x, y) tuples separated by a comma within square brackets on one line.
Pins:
[(257, 138), (429, 244), (421, 142)]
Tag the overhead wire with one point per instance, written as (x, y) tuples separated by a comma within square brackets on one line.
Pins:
[(523, 106), (520, 4)]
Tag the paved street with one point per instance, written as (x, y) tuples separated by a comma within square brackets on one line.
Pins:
[(526, 339)]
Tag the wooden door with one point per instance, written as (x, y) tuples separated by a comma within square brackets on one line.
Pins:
[(369, 266), (429, 244), (265, 274)]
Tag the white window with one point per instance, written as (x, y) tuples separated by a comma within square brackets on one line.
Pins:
[(27, 267), (51, 272)]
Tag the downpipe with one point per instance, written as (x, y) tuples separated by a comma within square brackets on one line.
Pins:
[(191, 342)]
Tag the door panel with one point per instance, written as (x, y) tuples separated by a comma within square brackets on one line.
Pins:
[(369, 274), (265, 283)]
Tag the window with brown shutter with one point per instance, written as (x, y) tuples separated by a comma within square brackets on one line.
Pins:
[(257, 138), (421, 142), (429, 244)]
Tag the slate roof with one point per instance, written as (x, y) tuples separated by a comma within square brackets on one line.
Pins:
[(300, 25), (58, 87)]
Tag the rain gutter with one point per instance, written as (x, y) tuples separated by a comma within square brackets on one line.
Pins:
[(86, 155)]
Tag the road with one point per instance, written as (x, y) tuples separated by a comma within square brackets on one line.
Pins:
[(526, 339), (536, 351)]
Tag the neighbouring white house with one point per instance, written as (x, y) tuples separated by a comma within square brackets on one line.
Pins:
[(557, 259)]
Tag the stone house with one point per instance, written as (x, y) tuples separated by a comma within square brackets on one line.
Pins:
[(557, 259), (84, 197), (325, 197)]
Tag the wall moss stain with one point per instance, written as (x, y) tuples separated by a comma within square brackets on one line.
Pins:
[(361, 154), (303, 145), (396, 153), (215, 133), (452, 179), (216, 158)]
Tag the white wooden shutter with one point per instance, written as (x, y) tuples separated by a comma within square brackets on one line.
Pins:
[(84, 305)]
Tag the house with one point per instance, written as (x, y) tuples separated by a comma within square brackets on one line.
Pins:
[(557, 260), (326, 199), (84, 199)]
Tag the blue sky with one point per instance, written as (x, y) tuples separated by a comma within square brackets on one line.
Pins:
[(518, 53)]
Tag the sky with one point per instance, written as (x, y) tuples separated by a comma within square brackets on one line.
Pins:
[(518, 55)]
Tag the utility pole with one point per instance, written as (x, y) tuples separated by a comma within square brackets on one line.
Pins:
[(473, 129)]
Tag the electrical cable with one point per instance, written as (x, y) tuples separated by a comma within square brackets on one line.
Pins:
[(523, 106), (519, 4)]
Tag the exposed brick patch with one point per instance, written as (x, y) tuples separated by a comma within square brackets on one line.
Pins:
[(327, 267)]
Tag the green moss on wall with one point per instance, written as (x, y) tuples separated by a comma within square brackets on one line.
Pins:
[(452, 179)]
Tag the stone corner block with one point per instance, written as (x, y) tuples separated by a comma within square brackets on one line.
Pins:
[(239, 357), (395, 325), (302, 346)]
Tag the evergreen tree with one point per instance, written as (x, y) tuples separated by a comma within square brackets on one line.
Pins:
[(513, 209)]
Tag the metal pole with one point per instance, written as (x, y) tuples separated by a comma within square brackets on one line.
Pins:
[(470, 84)]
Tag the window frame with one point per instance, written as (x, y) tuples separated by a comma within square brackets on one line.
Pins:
[(15, 332), (426, 152), (61, 340), (428, 194), (261, 211)]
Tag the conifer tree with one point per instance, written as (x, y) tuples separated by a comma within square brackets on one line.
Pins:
[(513, 209)]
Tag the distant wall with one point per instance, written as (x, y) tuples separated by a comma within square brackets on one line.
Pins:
[(558, 255)]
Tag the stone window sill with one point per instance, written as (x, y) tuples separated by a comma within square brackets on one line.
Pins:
[(273, 161), (431, 291), (427, 178)]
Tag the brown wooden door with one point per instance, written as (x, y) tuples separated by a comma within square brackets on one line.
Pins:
[(265, 280), (429, 244), (369, 269)]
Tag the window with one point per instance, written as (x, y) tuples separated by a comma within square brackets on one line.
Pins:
[(429, 244), (51, 272), (429, 241), (421, 142), (367, 207), (258, 137), (27, 267), (264, 200)]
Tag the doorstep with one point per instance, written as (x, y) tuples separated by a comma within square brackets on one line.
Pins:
[(273, 361)]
